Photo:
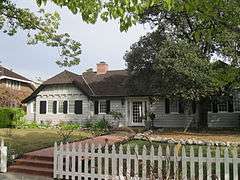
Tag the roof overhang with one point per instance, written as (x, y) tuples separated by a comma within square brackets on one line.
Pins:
[(16, 79)]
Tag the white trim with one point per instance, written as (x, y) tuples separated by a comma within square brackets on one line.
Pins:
[(16, 79), (102, 113)]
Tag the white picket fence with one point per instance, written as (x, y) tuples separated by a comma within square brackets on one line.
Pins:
[(163, 162), (3, 157)]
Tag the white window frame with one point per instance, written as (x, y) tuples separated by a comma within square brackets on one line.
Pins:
[(58, 104), (32, 107), (223, 111), (69, 107), (99, 107)]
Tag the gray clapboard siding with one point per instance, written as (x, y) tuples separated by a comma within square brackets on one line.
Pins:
[(223, 119)]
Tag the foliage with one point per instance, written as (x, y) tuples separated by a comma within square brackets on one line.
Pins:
[(116, 115), (65, 131), (8, 116), (41, 27), (98, 127)]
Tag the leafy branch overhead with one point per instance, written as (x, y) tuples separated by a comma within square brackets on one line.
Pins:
[(41, 27)]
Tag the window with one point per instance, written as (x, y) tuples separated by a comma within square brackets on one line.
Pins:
[(102, 107), (60, 107), (71, 106), (65, 107), (173, 106), (50, 106), (43, 107), (223, 106), (78, 107), (54, 109), (13, 84), (236, 103)]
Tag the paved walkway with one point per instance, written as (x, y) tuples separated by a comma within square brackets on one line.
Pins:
[(103, 140)]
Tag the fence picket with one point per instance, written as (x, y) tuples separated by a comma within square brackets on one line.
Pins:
[(175, 165), (152, 175), (168, 162), (160, 170), (73, 162), (184, 164), (200, 163), (55, 161), (92, 160), (235, 163), (136, 161), (192, 163), (217, 155), (128, 159), (114, 162), (106, 160), (226, 164), (3, 157), (209, 164), (99, 160), (67, 161), (61, 161), (144, 164), (121, 162)]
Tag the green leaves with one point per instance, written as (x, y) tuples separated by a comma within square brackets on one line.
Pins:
[(42, 27)]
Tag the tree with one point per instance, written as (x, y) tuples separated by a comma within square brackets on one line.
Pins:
[(41, 28), (214, 25)]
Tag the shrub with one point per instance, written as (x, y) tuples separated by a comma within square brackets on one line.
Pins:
[(100, 126), (65, 131), (9, 117)]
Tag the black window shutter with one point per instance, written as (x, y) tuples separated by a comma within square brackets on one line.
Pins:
[(95, 107), (181, 107), (78, 107), (214, 106), (230, 104), (54, 107), (167, 103), (108, 106), (194, 106), (65, 107), (43, 107)]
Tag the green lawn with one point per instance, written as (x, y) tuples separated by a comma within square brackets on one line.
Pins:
[(26, 140)]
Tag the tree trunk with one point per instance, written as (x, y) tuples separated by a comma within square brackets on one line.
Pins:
[(203, 113)]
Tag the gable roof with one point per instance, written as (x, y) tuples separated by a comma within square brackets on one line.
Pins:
[(4, 72), (111, 84)]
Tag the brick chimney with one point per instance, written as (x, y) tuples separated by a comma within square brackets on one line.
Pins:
[(102, 68)]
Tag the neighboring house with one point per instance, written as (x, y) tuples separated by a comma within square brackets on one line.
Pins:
[(71, 97), (13, 87)]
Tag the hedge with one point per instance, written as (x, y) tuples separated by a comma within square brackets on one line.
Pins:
[(9, 117)]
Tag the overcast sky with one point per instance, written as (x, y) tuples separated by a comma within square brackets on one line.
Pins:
[(100, 42)]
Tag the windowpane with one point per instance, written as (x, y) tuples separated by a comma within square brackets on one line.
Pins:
[(222, 106), (60, 107), (65, 107), (78, 107), (71, 106), (54, 107), (43, 107), (102, 106), (173, 106), (236, 102), (50, 106)]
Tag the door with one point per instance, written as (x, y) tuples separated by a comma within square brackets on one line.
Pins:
[(138, 113)]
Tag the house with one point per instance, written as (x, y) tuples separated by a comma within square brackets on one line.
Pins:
[(77, 98), (13, 87)]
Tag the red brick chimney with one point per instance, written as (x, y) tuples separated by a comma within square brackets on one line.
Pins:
[(102, 68)]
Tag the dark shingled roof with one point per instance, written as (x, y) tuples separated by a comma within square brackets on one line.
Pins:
[(111, 84), (6, 72)]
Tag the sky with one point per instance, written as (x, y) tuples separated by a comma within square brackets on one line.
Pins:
[(100, 42)]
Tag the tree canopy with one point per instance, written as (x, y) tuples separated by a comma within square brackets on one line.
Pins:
[(40, 27)]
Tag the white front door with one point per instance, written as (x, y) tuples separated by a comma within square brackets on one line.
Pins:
[(137, 113)]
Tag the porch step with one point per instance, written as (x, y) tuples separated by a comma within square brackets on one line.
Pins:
[(47, 172), (34, 165)]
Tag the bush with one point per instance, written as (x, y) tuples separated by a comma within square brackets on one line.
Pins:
[(9, 117), (101, 126), (65, 131)]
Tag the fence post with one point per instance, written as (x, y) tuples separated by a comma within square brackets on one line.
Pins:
[(55, 161), (184, 164), (3, 153)]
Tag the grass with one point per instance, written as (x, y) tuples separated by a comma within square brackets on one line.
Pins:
[(26, 140)]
